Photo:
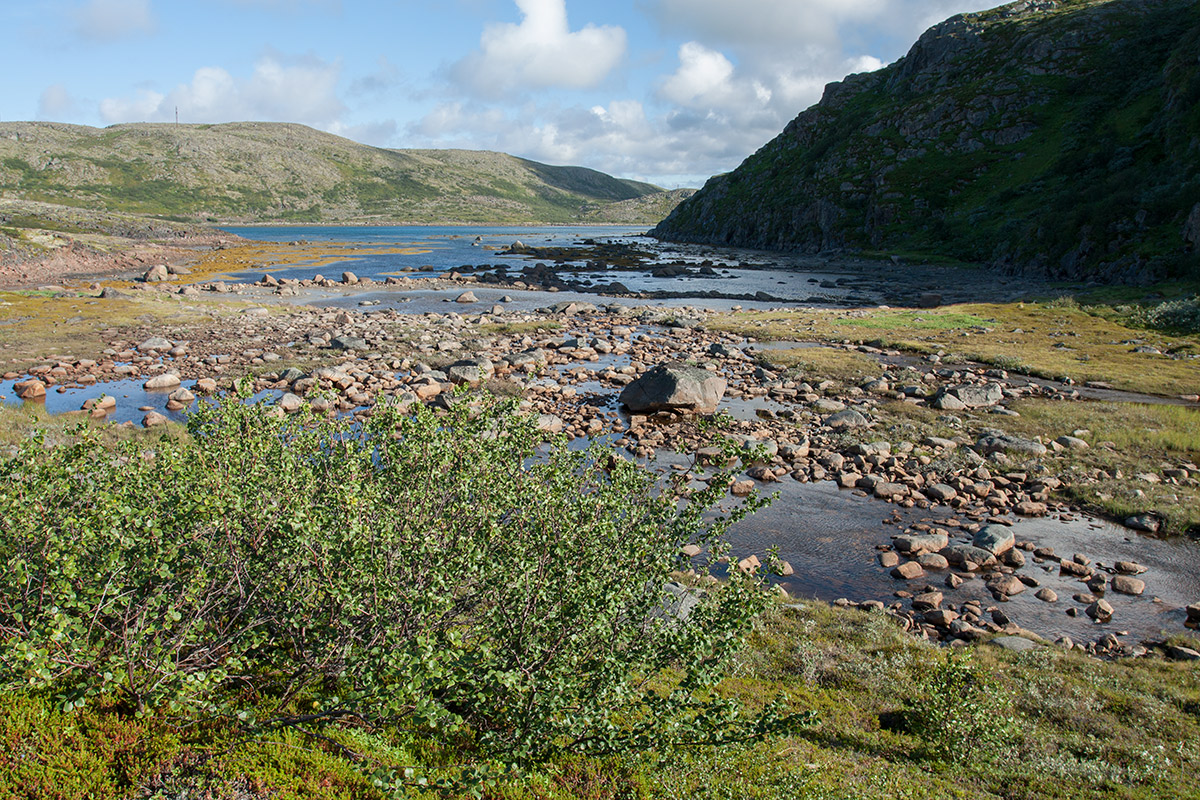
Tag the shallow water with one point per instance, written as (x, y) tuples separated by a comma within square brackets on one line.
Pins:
[(790, 278), (830, 535), (132, 399)]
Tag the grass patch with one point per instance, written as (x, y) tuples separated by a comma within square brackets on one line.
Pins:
[(1053, 340), (815, 364), (50, 327), (1081, 728)]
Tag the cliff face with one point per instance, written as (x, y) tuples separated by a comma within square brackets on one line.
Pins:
[(1050, 137)]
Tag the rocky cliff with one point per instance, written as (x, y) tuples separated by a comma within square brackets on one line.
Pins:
[(1056, 137)]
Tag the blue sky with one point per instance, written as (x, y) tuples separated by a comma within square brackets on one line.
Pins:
[(669, 91)]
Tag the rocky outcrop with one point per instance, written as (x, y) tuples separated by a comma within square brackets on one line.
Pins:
[(1042, 137)]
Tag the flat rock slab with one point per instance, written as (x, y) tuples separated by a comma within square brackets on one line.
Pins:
[(996, 539)]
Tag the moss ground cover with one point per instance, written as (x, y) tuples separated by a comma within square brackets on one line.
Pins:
[(1046, 339), (1073, 728)]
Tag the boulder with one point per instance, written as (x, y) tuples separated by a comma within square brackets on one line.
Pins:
[(30, 389), (156, 274), (940, 492), (846, 420), (999, 442), (155, 343), (1179, 653), (466, 297), (471, 372), (675, 387), (996, 539), (349, 343), (1124, 584), (979, 396), (168, 380), (1101, 611), (968, 556), (290, 403), (944, 401), (1144, 522), (908, 571), (1015, 644), (153, 420), (916, 543)]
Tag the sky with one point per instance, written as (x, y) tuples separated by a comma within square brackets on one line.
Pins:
[(666, 91)]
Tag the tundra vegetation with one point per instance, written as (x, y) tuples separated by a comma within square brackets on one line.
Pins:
[(438, 605)]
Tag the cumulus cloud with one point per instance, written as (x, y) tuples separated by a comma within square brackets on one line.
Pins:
[(539, 52), (703, 117), (56, 103), (281, 88), (108, 20), (670, 147)]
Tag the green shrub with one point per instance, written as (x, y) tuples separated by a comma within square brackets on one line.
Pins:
[(1181, 316), (424, 572), (960, 712)]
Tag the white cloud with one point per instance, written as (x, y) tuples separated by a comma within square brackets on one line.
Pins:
[(281, 88), (542, 51), (108, 20), (379, 134), (701, 75), (56, 103)]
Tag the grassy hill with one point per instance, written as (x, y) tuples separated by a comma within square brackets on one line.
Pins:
[(251, 172), (1052, 138)]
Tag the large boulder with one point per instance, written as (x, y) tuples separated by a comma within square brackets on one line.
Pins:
[(675, 387), (969, 396), (30, 390)]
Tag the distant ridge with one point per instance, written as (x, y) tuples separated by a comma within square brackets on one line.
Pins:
[(1057, 138), (259, 172)]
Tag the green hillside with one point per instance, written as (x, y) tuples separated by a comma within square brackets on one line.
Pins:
[(274, 172), (1053, 138)]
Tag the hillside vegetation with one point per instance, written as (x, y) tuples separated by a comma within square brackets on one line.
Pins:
[(1052, 138), (252, 172)]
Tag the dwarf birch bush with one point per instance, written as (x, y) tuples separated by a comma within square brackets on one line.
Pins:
[(424, 572)]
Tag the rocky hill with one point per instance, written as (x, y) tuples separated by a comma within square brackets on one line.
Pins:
[(275, 172), (1042, 137)]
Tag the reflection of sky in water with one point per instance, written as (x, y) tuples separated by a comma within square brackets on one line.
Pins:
[(454, 248), (129, 394)]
